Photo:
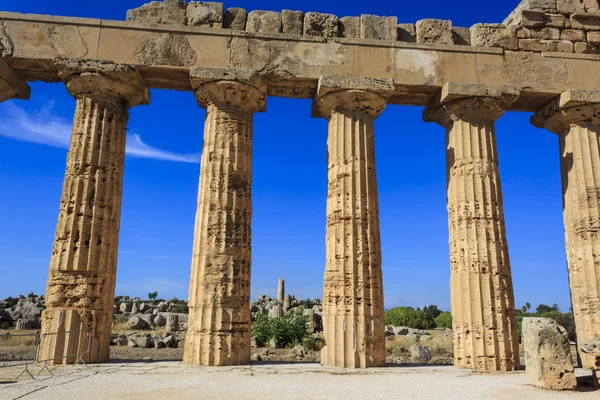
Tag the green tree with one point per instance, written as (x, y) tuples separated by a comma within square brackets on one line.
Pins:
[(543, 308), (444, 320), (432, 311), (408, 316), (152, 296), (288, 330)]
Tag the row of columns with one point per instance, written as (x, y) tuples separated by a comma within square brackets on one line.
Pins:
[(82, 273)]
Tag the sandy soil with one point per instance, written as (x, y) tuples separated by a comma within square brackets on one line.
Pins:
[(264, 381)]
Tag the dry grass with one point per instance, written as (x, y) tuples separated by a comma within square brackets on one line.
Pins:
[(439, 344)]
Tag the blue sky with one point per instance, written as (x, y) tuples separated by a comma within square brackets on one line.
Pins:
[(289, 189)]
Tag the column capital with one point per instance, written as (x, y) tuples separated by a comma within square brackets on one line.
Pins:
[(230, 88), (462, 101), (103, 81), (11, 84), (344, 93), (578, 107)]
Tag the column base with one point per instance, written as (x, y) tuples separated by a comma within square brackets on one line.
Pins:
[(216, 349)]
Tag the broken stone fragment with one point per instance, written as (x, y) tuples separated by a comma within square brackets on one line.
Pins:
[(375, 27), (207, 14), (591, 347), (461, 36), (547, 354), (349, 27), (158, 12), (319, 24), (292, 22), (435, 31), (260, 21), (235, 18), (493, 35), (407, 33)]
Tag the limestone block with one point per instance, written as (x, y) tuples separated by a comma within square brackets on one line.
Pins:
[(276, 311), (349, 27), (545, 33), (493, 35), (555, 20), (547, 354), (375, 27), (574, 35), (263, 22), (207, 14), (158, 12), (586, 22), (569, 6), (559, 46), (136, 322), (434, 31), (532, 45), (543, 5), (532, 19), (292, 22), (407, 33), (593, 38), (585, 48), (591, 6), (235, 18), (319, 24), (461, 36), (591, 347)]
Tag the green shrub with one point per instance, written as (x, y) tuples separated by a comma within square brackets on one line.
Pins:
[(180, 309), (408, 316), (444, 320), (288, 330)]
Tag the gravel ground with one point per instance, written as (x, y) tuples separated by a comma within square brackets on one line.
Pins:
[(264, 381)]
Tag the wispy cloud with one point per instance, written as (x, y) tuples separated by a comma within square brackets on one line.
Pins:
[(44, 127)]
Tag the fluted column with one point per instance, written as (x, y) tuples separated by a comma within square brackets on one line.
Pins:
[(219, 327), (12, 86), (482, 299), (81, 279), (353, 288), (575, 118)]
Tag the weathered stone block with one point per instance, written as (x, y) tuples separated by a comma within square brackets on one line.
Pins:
[(555, 20), (407, 33), (207, 14), (548, 354), (543, 5), (319, 24), (292, 22), (531, 45), (461, 36), (493, 35), (434, 31), (263, 22), (586, 22), (235, 18), (375, 27), (585, 48), (591, 6), (532, 19), (559, 46), (545, 33), (569, 6), (593, 38), (158, 12), (574, 35), (349, 27)]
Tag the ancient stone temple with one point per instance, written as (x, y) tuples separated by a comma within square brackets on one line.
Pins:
[(543, 59)]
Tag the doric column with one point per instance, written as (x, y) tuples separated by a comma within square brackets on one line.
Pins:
[(482, 299), (219, 326), (83, 266), (353, 287), (11, 84), (575, 118)]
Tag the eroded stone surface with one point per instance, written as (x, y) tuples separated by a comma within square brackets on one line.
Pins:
[(219, 320), (548, 354), (434, 31), (375, 27), (167, 50), (480, 275), (264, 22), (207, 14), (575, 117), (319, 24), (235, 18), (6, 45), (81, 281), (159, 12), (292, 22), (349, 27)]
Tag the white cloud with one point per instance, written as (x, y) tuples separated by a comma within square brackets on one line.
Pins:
[(46, 128)]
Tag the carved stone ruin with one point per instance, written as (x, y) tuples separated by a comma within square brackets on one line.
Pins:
[(542, 59)]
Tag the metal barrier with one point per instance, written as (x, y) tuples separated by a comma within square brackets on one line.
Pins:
[(19, 343), (72, 343)]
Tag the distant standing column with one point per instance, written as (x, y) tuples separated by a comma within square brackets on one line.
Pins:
[(575, 118), (281, 290), (219, 327), (483, 314), (81, 280), (353, 289)]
